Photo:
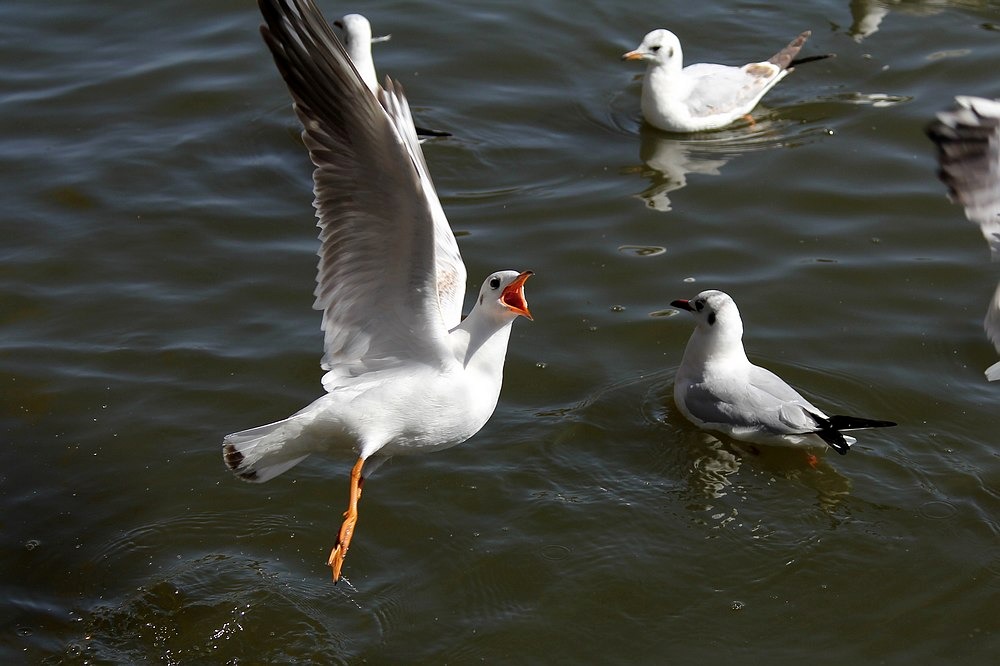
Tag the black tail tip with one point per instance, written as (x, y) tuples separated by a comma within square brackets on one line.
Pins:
[(232, 456), (234, 459)]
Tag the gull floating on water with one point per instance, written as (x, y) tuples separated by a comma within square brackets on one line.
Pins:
[(718, 388), (705, 96), (404, 373), (358, 40)]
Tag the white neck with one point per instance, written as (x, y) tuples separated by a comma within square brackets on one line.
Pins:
[(364, 63), (664, 92), (480, 341), (708, 348)]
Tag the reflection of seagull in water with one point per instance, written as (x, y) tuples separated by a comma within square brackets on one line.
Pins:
[(711, 470), (867, 15), (672, 160), (705, 96), (968, 147), (357, 36)]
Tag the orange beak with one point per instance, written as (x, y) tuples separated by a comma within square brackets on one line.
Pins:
[(632, 55), (513, 295)]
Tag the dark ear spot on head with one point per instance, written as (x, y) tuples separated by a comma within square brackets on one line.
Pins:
[(711, 319), (670, 52), (481, 300)]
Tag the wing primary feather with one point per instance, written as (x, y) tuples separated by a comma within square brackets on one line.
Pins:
[(382, 230)]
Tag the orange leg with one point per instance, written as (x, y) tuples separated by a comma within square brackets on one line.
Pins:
[(750, 120), (339, 551)]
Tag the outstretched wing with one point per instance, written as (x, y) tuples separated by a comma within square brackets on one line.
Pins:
[(389, 266)]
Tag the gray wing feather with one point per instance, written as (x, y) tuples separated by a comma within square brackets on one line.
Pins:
[(765, 403), (722, 89), (381, 224)]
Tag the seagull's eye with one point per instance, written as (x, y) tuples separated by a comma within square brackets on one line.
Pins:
[(654, 49), (495, 283), (699, 305)]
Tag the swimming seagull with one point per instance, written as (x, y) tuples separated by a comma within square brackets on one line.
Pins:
[(404, 373), (358, 40), (718, 388), (705, 96)]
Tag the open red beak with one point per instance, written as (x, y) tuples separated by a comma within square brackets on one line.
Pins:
[(683, 304), (513, 295)]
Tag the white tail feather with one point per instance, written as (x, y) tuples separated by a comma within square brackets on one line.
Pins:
[(262, 453), (993, 372)]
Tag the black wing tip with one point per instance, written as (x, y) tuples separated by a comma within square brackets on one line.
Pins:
[(842, 422), (830, 429), (836, 440)]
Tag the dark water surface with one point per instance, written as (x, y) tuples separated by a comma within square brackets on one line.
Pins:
[(155, 291)]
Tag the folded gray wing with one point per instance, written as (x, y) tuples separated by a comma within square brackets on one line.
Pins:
[(765, 402), (723, 89)]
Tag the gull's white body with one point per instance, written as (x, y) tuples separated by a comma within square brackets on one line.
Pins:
[(405, 373), (401, 410), (718, 388), (702, 96)]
